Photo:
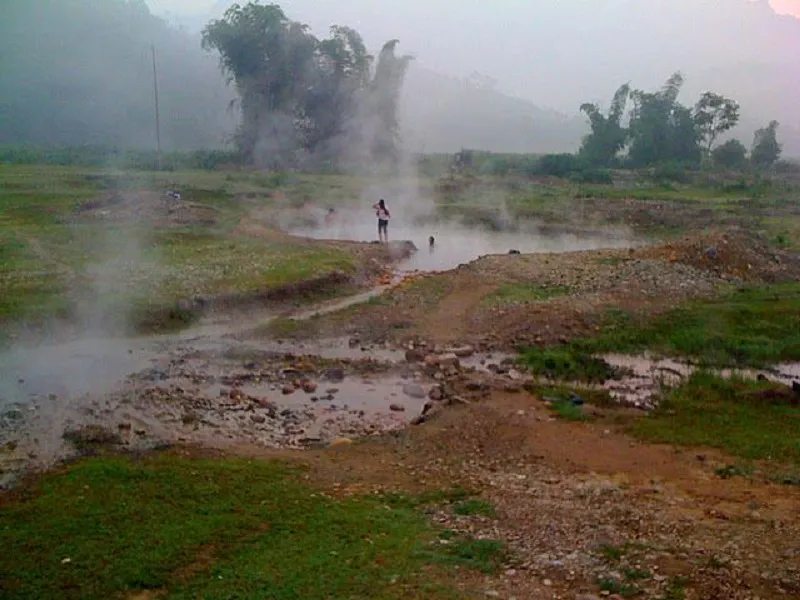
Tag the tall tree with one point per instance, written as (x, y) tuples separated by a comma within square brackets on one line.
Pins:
[(266, 56), (379, 118), (714, 115), (731, 155), (302, 97), (766, 149), (342, 73), (661, 129), (608, 136)]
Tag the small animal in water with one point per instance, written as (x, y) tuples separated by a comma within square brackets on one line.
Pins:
[(514, 252), (431, 242)]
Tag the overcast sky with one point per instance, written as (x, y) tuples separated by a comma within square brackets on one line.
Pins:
[(791, 7), (560, 53)]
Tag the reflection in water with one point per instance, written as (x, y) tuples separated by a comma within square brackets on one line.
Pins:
[(450, 245)]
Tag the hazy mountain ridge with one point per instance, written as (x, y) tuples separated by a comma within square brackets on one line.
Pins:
[(444, 114), (74, 74), (70, 75)]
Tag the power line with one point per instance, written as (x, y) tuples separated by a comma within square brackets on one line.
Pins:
[(158, 118)]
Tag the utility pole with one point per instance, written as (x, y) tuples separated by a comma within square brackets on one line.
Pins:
[(158, 118)]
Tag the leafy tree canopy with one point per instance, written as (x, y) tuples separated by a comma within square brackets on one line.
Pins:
[(303, 98), (766, 149)]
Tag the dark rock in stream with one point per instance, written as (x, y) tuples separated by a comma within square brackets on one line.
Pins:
[(154, 375), (335, 375), (414, 390)]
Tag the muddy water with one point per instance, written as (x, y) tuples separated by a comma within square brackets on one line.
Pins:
[(649, 376), (455, 245), (178, 388)]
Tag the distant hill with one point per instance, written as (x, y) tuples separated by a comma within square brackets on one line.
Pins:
[(81, 72), (445, 114)]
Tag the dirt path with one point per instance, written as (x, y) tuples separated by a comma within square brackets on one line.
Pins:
[(449, 321), (582, 503)]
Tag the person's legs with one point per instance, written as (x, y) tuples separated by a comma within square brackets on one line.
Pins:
[(383, 233)]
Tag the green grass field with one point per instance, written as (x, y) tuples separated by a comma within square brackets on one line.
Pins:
[(753, 327), (110, 527), (53, 261), (750, 327), (523, 293), (731, 414)]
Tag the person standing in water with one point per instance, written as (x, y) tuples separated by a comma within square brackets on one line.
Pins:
[(383, 220)]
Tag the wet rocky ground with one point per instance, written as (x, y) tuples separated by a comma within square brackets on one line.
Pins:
[(220, 391)]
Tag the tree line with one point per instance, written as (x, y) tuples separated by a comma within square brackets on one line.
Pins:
[(660, 130), (305, 100)]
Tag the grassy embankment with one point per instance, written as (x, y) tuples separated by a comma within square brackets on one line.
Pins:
[(176, 527), (651, 208), (54, 263), (756, 327)]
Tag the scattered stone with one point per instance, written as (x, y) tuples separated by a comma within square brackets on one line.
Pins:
[(288, 389), (92, 435), (397, 408), (309, 387), (449, 360), (415, 355), (340, 442), (414, 390), (335, 375), (464, 351), (436, 393), (431, 360), (547, 583), (258, 418), (154, 375)]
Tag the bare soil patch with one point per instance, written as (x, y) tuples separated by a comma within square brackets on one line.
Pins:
[(582, 503)]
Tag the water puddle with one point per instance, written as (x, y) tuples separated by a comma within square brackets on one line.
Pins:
[(455, 245), (649, 377)]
